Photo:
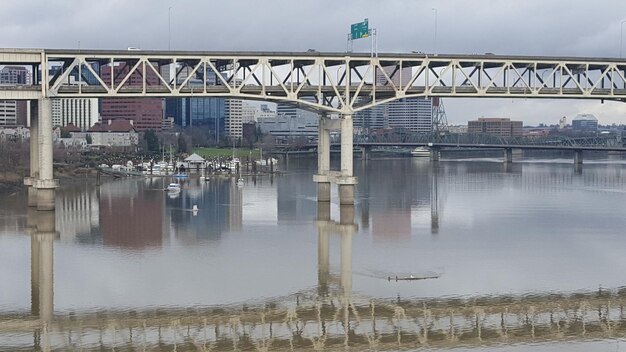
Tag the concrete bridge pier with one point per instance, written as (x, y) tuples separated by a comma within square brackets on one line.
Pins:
[(343, 178), (508, 155), (366, 153), (346, 182), (45, 184), (578, 157), (434, 153), (323, 161), (34, 155)]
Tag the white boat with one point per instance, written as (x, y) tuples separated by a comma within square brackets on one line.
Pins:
[(240, 182), (420, 152), (173, 187)]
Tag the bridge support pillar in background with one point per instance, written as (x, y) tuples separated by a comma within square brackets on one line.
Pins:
[(508, 155), (45, 184), (366, 153), (34, 154), (578, 157), (434, 153)]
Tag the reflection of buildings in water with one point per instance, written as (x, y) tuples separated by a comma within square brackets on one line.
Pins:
[(131, 216), (394, 189), (235, 205), (78, 214), (219, 209), (295, 198)]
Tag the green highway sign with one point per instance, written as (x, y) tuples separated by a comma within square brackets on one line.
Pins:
[(359, 30)]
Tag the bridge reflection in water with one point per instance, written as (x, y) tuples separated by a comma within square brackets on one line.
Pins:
[(328, 318)]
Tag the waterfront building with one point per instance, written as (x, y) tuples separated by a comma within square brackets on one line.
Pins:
[(114, 133), (285, 127), (80, 112), (503, 127), (585, 123)]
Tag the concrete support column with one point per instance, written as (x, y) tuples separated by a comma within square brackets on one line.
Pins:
[(578, 157), (508, 155), (434, 153), (323, 162), (46, 183), (34, 155), (366, 153), (346, 187), (347, 157)]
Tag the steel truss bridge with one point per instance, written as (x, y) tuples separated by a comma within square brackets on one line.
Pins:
[(329, 82), (470, 140)]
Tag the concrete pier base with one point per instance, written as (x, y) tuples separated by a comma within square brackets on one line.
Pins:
[(508, 155), (578, 157), (346, 194), (32, 196), (323, 191), (434, 154), (45, 198)]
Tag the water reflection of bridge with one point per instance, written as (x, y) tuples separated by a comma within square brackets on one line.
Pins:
[(329, 318)]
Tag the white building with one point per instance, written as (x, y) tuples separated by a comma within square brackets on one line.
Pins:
[(8, 112), (248, 112), (234, 118), (81, 112), (17, 133), (117, 133)]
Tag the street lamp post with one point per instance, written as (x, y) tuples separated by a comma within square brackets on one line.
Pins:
[(434, 9), (621, 37), (169, 28)]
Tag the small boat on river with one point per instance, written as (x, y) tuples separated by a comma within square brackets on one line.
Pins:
[(173, 187), (420, 152)]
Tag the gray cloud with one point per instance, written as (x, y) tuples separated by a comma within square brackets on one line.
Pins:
[(531, 27)]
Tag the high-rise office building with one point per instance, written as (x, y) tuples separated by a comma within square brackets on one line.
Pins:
[(81, 112), (411, 114), (8, 112), (146, 113), (234, 114), (15, 75), (14, 112)]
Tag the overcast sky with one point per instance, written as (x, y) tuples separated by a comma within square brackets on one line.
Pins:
[(523, 27)]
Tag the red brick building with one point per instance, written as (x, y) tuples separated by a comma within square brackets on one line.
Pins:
[(146, 113), (496, 126)]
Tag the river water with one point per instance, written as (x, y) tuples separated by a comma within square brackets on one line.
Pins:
[(488, 256)]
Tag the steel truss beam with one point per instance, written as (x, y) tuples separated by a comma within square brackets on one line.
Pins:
[(327, 82)]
